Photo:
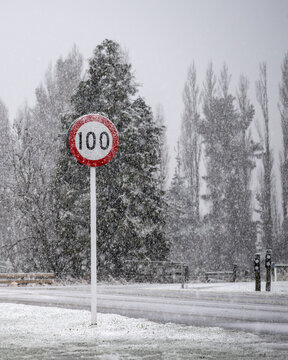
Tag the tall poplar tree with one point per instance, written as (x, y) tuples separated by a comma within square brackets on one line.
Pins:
[(284, 122), (184, 192), (229, 156), (266, 194), (284, 160), (179, 228), (164, 153), (191, 143)]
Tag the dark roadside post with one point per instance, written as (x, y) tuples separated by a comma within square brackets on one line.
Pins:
[(234, 275), (182, 275), (268, 265), (257, 272)]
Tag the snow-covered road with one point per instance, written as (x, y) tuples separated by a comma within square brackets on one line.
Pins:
[(198, 305)]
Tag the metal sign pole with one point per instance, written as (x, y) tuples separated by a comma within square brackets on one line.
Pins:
[(93, 141), (93, 246)]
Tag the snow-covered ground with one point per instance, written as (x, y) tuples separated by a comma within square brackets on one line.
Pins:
[(33, 332), (278, 287)]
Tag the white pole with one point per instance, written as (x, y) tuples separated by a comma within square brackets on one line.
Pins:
[(93, 246), (275, 273)]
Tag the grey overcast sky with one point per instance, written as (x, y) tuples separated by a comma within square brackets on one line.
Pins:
[(162, 38)]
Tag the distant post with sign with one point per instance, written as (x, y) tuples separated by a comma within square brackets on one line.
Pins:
[(93, 141)]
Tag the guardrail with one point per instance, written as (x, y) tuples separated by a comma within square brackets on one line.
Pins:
[(278, 266), (26, 278), (156, 271), (222, 274)]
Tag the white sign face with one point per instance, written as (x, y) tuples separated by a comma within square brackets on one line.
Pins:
[(93, 140)]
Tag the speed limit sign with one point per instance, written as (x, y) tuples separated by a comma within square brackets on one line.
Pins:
[(93, 140)]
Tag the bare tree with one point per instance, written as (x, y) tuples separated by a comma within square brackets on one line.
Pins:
[(6, 178), (36, 148)]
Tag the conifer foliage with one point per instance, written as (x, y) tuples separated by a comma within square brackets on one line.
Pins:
[(129, 200)]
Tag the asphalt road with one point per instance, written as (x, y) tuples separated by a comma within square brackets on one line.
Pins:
[(247, 312)]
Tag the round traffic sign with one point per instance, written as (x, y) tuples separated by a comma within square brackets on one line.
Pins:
[(93, 140)]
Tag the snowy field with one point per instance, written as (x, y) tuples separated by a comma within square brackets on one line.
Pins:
[(277, 288), (33, 332)]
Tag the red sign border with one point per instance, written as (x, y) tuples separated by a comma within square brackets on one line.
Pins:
[(72, 139)]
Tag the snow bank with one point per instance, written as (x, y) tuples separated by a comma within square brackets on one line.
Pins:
[(279, 287), (32, 332)]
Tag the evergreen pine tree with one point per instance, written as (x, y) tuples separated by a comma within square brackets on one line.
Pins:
[(129, 200)]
